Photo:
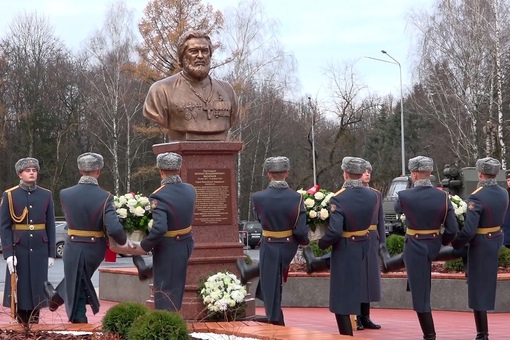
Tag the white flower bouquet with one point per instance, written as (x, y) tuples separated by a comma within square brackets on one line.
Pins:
[(134, 212), (223, 295), (317, 206)]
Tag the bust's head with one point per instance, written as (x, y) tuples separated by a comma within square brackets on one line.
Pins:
[(195, 51)]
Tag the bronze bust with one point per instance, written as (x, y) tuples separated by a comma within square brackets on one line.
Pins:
[(191, 104)]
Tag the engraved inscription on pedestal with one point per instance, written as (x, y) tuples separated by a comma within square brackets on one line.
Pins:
[(214, 206)]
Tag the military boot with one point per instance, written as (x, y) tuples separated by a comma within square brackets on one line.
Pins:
[(344, 324), (247, 272), (54, 299), (482, 327), (315, 264), (364, 318), (427, 326), (144, 271), (390, 263)]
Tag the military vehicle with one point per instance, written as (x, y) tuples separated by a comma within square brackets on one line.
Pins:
[(457, 181)]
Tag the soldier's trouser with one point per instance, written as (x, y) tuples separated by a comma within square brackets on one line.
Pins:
[(482, 327), (80, 309), (427, 326)]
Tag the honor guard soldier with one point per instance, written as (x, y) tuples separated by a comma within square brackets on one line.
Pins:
[(27, 229), (371, 273), (282, 214), (486, 208), (170, 239), (90, 213), (351, 211), (427, 210)]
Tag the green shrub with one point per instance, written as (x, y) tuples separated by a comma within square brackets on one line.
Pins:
[(318, 252), (159, 324), (119, 318), (395, 244), (455, 265), (504, 257)]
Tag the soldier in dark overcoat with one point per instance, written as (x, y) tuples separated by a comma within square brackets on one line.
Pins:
[(371, 266), (506, 224), (426, 210), (486, 208), (352, 209), (170, 238), (27, 222), (371, 269), (282, 214), (90, 213)]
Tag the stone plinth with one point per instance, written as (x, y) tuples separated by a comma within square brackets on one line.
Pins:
[(209, 166)]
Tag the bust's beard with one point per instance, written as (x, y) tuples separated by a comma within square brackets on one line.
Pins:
[(199, 71)]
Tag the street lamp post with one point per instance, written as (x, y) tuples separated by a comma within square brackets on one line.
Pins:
[(402, 145)]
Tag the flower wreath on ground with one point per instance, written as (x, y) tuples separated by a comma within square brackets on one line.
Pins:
[(459, 206), (223, 296), (134, 211), (317, 206)]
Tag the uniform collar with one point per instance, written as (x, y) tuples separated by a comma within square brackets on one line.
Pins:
[(423, 183), (353, 183), (88, 180), (171, 180), (278, 185), (487, 182), (27, 187)]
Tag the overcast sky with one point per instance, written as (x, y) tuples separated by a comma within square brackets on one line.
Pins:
[(317, 32)]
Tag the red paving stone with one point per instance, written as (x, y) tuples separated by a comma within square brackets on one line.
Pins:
[(397, 324)]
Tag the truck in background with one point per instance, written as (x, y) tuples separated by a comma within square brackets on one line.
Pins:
[(456, 181)]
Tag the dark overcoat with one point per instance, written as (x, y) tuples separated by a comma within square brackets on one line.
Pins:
[(31, 247), (278, 209), (506, 226), (352, 209), (173, 207), (486, 208), (87, 208), (371, 267), (426, 209)]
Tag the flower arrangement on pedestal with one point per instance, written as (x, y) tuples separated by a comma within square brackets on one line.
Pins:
[(223, 295), (317, 206), (134, 212)]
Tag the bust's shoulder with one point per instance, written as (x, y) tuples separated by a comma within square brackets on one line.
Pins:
[(165, 81)]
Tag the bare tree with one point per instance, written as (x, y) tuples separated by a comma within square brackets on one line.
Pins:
[(117, 95)]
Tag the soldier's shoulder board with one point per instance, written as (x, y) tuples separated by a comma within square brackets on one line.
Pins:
[(158, 189), (477, 190), (339, 191)]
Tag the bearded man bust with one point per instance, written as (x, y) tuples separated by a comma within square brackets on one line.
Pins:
[(191, 104)]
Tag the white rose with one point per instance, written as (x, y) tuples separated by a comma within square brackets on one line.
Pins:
[(139, 211), (122, 212), (122, 200), (318, 195), (309, 202), (149, 226), (459, 211), (117, 204), (326, 199), (128, 196), (131, 202), (312, 214), (323, 214), (144, 201), (301, 191)]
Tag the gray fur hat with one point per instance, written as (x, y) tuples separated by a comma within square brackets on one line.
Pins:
[(488, 166), (354, 165), (276, 164), (369, 166), (26, 163), (90, 161), (421, 164), (169, 161)]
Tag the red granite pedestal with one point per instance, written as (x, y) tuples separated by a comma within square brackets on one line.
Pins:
[(210, 168)]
